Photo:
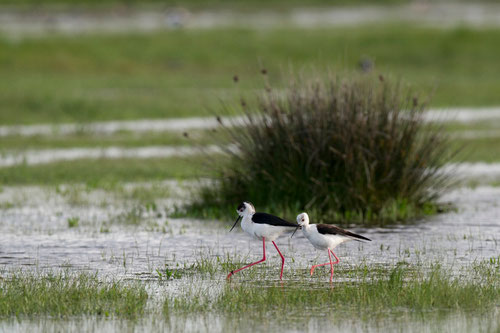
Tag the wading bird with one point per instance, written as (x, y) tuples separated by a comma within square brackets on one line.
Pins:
[(261, 226), (325, 237)]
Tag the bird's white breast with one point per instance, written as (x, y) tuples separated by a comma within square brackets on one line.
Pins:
[(259, 230), (320, 241)]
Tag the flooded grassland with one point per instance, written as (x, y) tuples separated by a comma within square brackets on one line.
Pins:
[(96, 154), (144, 270)]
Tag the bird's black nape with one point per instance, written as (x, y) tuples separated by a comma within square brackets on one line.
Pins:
[(234, 225)]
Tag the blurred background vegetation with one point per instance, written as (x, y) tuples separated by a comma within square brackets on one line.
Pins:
[(209, 4), (56, 68)]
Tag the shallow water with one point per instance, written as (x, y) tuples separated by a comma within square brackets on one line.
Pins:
[(44, 156), (404, 322), (34, 235), (462, 115), (110, 127)]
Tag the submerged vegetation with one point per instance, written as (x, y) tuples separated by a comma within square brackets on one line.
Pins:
[(365, 290), (356, 149), (399, 289)]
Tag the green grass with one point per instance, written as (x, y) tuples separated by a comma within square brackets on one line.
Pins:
[(119, 139), (68, 294), (364, 293), (206, 265), (182, 73), (396, 212), (202, 4), (102, 172), (251, 5), (145, 194), (73, 222), (370, 291), (109, 173), (457, 128), (478, 150)]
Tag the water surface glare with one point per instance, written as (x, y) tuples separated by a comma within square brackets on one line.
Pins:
[(461, 115), (32, 233), (407, 322)]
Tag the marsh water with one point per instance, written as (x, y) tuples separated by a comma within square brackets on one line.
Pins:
[(460, 115), (121, 240)]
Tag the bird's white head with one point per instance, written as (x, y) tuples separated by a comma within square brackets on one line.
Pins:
[(303, 219), (245, 208)]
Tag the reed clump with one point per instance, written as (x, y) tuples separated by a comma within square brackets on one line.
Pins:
[(355, 149)]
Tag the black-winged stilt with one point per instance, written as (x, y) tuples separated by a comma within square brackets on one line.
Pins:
[(261, 226), (325, 237)]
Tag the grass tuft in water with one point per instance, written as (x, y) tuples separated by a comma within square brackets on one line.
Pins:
[(68, 294), (356, 149), (206, 264), (73, 222)]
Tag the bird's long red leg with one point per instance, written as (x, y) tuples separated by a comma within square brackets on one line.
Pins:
[(254, 263), (332, 263), (282, 260), (327, 263), (336, 262)]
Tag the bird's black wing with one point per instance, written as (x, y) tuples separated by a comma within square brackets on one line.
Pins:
[(264, 218), (328, 229)]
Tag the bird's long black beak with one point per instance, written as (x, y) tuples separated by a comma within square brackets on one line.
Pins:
[(298, 227), (234, 225)]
